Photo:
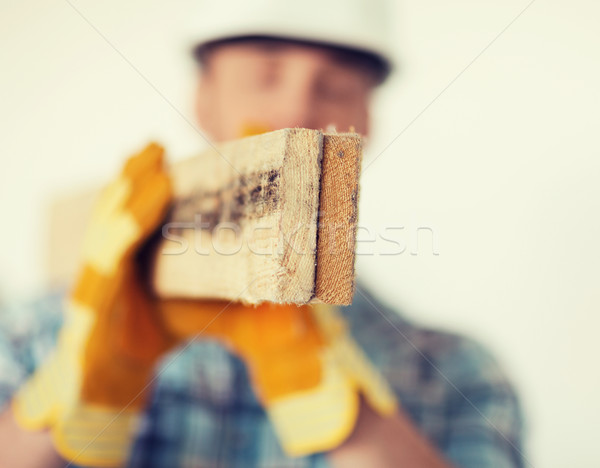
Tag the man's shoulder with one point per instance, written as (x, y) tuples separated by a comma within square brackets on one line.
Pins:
[(28, 332), (419, 353), (449, 383), (22, 317)]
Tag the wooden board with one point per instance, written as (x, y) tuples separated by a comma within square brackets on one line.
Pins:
[(265, 218)]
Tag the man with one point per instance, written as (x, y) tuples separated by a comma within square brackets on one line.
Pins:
[(274, 67)]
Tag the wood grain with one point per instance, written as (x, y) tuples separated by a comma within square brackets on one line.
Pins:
[(338, 217), (255, 202)]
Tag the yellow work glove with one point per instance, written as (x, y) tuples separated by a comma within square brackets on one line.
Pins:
[(304, 365), (90, 391)]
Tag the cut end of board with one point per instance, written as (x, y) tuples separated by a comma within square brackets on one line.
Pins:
[(338, 217)]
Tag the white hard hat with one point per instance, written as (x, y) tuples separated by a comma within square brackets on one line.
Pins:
[(360, 25)]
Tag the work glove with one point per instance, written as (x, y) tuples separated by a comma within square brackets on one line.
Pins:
[(91, 390), (305, 368)]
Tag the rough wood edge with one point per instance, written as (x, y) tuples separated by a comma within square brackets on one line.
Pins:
[(338, 218)]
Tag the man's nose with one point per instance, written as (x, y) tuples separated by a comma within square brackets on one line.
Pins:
[(296, 106), (295, 110)]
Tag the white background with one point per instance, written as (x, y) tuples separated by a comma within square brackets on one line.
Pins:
[(503, 167)]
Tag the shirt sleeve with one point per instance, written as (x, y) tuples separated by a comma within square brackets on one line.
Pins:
[(485, 419), (28, 332)]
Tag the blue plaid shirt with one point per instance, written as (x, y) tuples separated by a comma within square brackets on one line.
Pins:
[(203, 412)]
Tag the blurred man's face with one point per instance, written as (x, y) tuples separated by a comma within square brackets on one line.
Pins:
[(273, 85)]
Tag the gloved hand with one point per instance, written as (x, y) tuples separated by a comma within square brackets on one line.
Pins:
[(304, 365), (91, 389)]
